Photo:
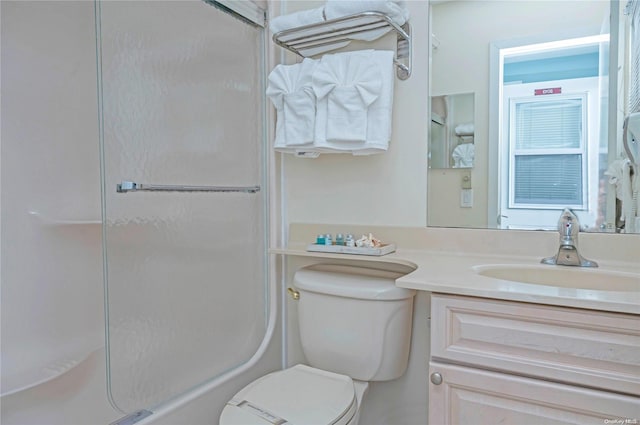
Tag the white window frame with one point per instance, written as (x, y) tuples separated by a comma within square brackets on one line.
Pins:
[(546, 217), (581, 150)]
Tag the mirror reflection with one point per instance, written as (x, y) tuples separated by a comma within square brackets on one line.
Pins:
[(547, 126), (551, 150), (451, 143)]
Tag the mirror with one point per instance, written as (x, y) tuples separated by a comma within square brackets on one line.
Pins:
[(479, 47), (451, 143)]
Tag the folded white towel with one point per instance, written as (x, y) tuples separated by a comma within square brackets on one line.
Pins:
[(464, 129), (300, 19), (379, 114), (463, 155), (393, 8), (299, 116), (296, 19), (291, 93), (350, 83)]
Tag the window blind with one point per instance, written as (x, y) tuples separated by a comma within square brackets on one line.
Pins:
[(549, 124), (548, 179), (548, 152)]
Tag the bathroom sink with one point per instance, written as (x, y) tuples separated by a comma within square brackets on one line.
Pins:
[(563, 276)]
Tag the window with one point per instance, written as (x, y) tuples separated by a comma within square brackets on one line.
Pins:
[(548, 152)]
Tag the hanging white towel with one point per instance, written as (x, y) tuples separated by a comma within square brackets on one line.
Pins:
[(393, 8), (379, 113), (615, 171), (626, 180), (350, 83), (299, 110), (296, 19), (464, 155), (291, 93)]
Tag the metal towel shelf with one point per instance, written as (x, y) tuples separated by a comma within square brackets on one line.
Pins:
[(302, 40), (127, 186)]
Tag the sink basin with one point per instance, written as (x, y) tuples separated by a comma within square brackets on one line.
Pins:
[(563, 276)]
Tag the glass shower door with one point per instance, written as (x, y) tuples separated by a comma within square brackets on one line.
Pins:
[(181, 86)]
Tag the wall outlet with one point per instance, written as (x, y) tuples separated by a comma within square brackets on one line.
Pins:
[(466, 198)]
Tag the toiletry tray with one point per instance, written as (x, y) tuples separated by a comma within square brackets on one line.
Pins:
[(342, 249)]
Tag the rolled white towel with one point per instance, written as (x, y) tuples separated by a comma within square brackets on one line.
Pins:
[(393, 8), (296, 19), (464, 129), (300, 19)]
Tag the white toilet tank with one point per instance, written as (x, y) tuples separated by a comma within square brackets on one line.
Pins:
[(354, 321)]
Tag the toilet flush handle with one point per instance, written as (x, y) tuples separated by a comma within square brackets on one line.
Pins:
[(294, 294)]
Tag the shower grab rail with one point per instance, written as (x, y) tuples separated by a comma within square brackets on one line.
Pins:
[(128, 186)]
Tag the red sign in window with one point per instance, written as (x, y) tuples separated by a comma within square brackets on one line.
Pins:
[(552, 90)]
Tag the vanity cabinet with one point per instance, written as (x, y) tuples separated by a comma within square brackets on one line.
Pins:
[(495, 361)]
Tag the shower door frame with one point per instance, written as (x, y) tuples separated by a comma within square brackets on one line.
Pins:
[(250, 14)]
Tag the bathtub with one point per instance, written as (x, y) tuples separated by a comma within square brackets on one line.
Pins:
[(76, 397)]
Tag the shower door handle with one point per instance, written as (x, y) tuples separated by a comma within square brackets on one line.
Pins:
[(129, 186)]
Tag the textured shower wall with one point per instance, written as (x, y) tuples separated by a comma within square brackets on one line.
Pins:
[(51, 266), (52, 315)]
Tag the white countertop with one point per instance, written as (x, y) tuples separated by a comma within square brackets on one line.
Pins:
[(453, 273)]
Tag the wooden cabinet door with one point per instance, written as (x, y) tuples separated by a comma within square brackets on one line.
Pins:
[(469, 396), (594, 349)]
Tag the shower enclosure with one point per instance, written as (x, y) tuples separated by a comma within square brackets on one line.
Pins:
[(184, 203)]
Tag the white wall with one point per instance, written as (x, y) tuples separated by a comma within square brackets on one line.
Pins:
[(388, 188)]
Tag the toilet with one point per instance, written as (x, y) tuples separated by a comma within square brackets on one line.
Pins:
[(355, 327)]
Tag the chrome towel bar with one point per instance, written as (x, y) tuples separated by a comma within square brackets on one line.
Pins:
[(127, 186), (303, 40)]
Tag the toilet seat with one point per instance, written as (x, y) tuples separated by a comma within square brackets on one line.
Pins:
[(299, 395)]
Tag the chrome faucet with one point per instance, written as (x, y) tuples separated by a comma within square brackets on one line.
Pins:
[(568, 255)]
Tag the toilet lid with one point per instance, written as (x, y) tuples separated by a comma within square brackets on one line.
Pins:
[(299, 395)]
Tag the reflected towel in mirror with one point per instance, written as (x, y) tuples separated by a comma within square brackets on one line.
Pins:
[(463, 155), (464, 129)]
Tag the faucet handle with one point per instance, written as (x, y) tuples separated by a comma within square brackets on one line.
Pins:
[(568, 225), (568, 255)]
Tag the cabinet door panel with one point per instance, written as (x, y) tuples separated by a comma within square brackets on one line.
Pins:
[(589, 348), (472, 396)]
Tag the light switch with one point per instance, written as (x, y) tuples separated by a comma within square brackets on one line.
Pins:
[(466, 198)]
